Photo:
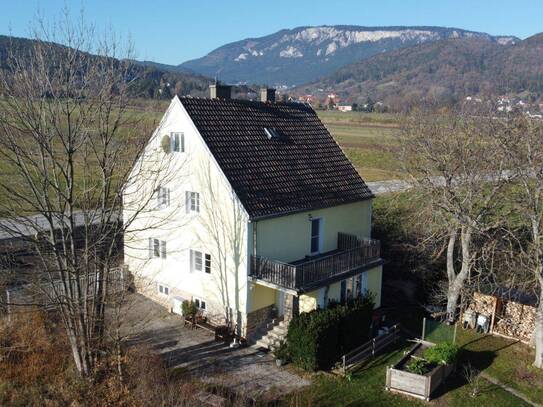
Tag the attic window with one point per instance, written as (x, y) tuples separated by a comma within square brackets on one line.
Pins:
[(272, 133)]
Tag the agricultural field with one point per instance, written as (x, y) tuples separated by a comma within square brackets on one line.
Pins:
[(370, 140)]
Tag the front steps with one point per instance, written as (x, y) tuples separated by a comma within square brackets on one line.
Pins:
[(272, 337)]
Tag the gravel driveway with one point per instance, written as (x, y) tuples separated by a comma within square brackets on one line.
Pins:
[(245, 370)]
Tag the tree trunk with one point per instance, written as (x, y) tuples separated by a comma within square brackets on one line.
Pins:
[(456, 281), (452, 299), (538, 329), (538, 334)]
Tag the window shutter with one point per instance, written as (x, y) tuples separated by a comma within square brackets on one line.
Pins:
[(183, 142), (187, 201), (172, 142), (163, 249), (150, 247), (168, 197), (191, 260)]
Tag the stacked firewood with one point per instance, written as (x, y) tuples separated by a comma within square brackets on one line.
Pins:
[(516, 321), (483, 304)]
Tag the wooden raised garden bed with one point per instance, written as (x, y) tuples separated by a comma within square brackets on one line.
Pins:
[(422, 386)]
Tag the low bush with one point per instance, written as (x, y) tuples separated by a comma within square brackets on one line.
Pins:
[(282, 352), (442, 353), (317, 339), (189, 309)]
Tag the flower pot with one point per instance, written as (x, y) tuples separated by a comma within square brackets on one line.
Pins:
[(279, 362)]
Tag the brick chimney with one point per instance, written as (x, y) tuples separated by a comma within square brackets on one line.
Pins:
[(219, 91), (267, 95)]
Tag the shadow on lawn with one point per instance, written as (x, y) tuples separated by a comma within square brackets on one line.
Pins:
[(479, 360), (385, 358)]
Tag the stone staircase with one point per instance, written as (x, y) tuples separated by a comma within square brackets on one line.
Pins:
[(270, 336)]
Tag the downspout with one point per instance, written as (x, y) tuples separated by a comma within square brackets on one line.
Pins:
[(254, 237)]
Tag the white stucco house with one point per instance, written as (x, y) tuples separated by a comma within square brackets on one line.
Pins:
[(252, 210)]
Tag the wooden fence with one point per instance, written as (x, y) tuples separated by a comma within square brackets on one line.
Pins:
[(368, 350)]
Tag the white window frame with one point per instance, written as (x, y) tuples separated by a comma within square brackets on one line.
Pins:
[(163, 289), (163, 197), (157, 248), (177, 142), (198, 302), (192, 202)]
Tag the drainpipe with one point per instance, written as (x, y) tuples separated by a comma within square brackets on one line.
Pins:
[(254, 238)]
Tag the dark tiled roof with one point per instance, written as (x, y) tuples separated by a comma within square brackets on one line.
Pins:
[(302, 170)]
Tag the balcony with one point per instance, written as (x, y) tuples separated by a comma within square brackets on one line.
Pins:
[(352, 255)]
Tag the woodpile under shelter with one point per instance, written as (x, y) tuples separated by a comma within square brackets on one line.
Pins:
[(512, 312)]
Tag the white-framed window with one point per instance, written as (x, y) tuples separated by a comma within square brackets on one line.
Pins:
[(200, 304), (163, 289), (192, 201), (177, 142), (316, 235), (200, 261), (163, 197), (157, 248)]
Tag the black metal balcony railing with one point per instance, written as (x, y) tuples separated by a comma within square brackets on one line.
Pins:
[(352, 253)]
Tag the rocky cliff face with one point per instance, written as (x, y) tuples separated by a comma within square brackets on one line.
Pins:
[(303, 54)]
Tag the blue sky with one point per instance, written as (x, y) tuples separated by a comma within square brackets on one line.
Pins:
[(175, 31)]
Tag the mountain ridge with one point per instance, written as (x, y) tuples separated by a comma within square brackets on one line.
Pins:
[(302, 54), (443, 71), (151, 80)]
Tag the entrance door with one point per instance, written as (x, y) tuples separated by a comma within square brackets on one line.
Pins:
[(316, 236), (281, 304), (343, 291)]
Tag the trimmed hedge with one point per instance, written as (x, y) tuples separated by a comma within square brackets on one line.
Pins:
[(317, 339)]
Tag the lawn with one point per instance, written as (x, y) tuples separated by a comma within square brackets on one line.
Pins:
[(366, 388), (369, 140), (506, 360)]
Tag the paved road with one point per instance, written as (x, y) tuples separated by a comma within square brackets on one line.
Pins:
[(397, 185), (33, 224), (384, 187)]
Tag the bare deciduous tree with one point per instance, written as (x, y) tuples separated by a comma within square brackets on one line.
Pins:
[(224, 225), (452, 160), (522, 145), (70, 146)]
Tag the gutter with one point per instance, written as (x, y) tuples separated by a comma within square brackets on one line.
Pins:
[(313, 208)]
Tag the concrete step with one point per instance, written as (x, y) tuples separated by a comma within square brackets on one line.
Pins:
[(279, 335), (268, 343), (270, 335)]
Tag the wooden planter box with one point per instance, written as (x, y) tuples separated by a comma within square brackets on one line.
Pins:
[(412, 384)]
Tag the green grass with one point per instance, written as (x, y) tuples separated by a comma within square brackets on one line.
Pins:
[(368, 139), (366, 388), (358, 117), (506, 360)]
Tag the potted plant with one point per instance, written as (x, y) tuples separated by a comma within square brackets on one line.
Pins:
[(281, 354)]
